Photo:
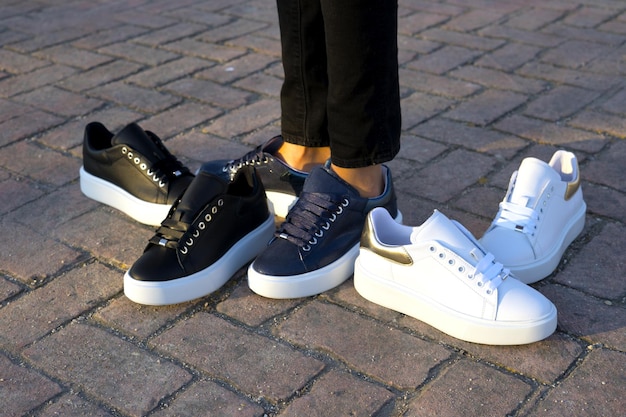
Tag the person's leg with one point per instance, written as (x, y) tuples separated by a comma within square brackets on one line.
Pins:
[(305, 87)]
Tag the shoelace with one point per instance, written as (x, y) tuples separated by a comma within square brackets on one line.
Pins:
[(168, 168), (171, 231), (517, 217), (254, 157), (310, 218), (490, 274)]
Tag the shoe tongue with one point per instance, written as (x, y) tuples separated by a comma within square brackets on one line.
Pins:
[(451, 234), (323, 180), (135, 137), (532, 176), (202, 190)]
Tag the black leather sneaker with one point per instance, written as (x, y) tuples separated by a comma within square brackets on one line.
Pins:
[(131, 171), (282, 183), (315, 248), (214, 229)]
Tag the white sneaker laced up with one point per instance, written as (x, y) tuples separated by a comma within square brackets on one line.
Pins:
[(517, 217)]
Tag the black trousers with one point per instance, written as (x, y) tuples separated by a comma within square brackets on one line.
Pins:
[(341, 78)]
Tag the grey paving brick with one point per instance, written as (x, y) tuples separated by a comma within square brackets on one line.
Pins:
[(23, 389), (72, 405), (137, 98), (209, 92), (419, 107), (339, 394), (49, 256), (252, 363), (552, 133), (16, 192), (436, 85), (470, 388), (509, 57), (112, 370), (245, 119), (67, 296), (487, 107), (22, 83), (470, 137), (600, 122), (595, 388), (370, 347), (446, 178), (594, 320), (207, 398), (251, 309), (605, 201), (594, 268), (444, 59), (560, 102), (8, 289)]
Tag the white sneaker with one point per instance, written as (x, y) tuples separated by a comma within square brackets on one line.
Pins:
[(542, 213), (439, 274)]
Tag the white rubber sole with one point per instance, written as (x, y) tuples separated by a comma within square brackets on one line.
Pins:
[(107, 193), (203, 282), (390, 295), (280, 203), (543, 267), (309, 283)]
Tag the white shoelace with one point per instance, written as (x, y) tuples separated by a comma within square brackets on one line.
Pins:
[(517, 217), (489, 272)]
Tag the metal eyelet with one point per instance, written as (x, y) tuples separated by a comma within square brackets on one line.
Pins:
[(220, 202), (196, 233), (346, 202), (333, 217), (319, 233), (201, 226), (189, 242), (326, 226), (306, 248), (213, 210), (208, 217), (143, 167), (124, 150), (184, 250), (313, 241)]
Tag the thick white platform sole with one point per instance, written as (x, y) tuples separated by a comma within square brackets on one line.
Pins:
[(541, 268), (309, 283), (203, 282), (110, 194), (390, 295), (280, 203)]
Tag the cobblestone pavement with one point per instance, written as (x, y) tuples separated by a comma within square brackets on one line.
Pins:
[(484, 83)]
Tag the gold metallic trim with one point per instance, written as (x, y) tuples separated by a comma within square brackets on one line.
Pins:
[(394, 253), (572, 187)]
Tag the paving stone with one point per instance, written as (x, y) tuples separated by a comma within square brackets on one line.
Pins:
[(419, 107), (100, 75), (8, 289), (135, 319), (138, 53), (486, 107), (339, 394), (251, 309), (559, 103), (444, 59), (574, 54), (23, 389), (498, 79), (446, 178), (534, 18), (51, 256), (208, 92), (40, 164), (17, 192), (419, 149), (206, 398), (137, 98), (594, 268), (168, 72), (27, 125), (175, 120), (107, 234), (470, 388), (596, 387), (524, 36), (595, 321), (237, 68), (560, 75), (67, 296), (370, 347), (260, 83), (113, 34), (197, 48), (585, 34), (509, 57), (201, 147), (600, 122), (436, 85), (605, 201), (418, 22), (264, 44), (474, 19), (72, 405), (252, 363), (461, 39), (102, 364), (551, 133), (246, 119), (616, 104), (471, 137), (16, 63), (68, 55), (21, 83)]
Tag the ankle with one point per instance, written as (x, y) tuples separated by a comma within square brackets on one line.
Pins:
[(368, 181), (303, 158)]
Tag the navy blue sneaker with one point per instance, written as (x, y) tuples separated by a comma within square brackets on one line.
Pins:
[(282, 183), (315, 248), (132, 171), (213, 230)]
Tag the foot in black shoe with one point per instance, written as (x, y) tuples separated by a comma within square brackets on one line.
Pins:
[(211, 232), (282, 183), (315, 248), (131, 171)]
